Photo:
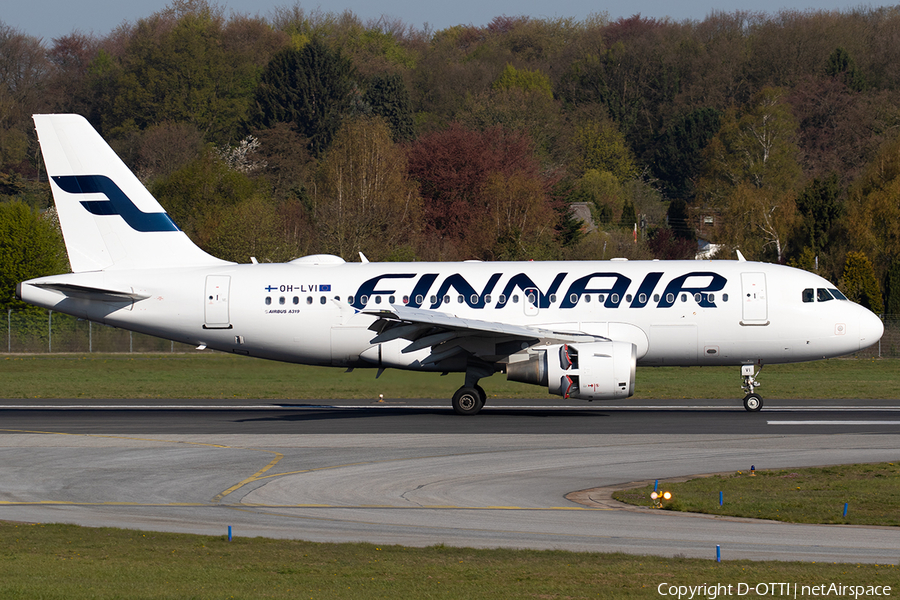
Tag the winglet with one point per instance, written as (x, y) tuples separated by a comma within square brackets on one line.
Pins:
[(740, 256)]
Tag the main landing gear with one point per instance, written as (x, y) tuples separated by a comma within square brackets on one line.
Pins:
[(469, 399), (753, 402)]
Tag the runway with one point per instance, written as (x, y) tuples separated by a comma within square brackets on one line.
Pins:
[(412, 473)]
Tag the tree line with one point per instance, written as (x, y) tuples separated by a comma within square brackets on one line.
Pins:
[(309, 131)]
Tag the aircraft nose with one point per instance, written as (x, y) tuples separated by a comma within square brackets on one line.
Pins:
[(870, 329)]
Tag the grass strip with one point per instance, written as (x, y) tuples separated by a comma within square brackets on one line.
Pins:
[(811, 495), (211, 375), (69, 562)]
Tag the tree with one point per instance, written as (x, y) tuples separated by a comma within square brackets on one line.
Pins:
[(678, 157), (198, 195), (859, 283), (454, 166), (874, 208), (31, 245), (603, 148), (840, 65), (752, 174), (365, 203), (820, 204), (178, 65), (388, 97), (311, 88)]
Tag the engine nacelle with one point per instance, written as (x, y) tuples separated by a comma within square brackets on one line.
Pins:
[(594, 371)]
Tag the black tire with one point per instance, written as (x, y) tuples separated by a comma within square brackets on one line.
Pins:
[(467, 401), (753, 402), (481, 393)]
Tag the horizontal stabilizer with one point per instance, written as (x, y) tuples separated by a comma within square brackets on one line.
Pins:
[(92, 293)]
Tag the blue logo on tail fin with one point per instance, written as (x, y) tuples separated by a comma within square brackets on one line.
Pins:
[(118, 203)]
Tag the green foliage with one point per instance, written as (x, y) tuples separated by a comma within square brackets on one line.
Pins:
[(30, 246), (200, 195), (892, 289), (602, 147), (311, 88), (524, 79), (840, 65), (175, 68), (859, 283), (821, 206), (388, 97), (678, 157)]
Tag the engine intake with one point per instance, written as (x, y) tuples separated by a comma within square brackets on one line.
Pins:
[(594, 371)]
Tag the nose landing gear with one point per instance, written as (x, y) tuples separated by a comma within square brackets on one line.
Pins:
[(753, 402)]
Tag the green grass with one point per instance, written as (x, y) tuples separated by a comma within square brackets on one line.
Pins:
[(216, 375), (813, 495), (69, 562)]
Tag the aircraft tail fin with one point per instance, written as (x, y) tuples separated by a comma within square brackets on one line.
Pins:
[(109, 219)]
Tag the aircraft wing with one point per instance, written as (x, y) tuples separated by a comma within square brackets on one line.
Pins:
[(448, 335)]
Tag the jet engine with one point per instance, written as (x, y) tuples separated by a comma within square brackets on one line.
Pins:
[(592, 371)]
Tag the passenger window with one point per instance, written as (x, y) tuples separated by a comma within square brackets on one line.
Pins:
[(460, 299), (281, 300), (552, 298), (628, 298), (474, 299), (502, 299), (808, 295), (698, 298), (377, 299), (434, 299), (573, 298), (614, 299), (724, 297), (391, 300), (349, 299), (309, 299), (487, 298), (656, 297), (515, 298), (531, 298), (823, 295), (420, 299), (268, 300), (642, 298), (405, 299), (587, 298), (296, 300), (322, 300), (670, 298)]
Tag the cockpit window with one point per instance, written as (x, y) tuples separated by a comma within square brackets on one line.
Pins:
[(837, 294), (823, 295), (809, 295)]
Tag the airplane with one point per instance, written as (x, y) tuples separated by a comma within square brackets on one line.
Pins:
[(577, 328)]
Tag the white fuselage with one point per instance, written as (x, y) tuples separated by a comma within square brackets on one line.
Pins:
[(309, 311)]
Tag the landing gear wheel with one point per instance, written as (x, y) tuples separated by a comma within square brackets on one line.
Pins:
[(753, 402), (468, 401), (481, 393)]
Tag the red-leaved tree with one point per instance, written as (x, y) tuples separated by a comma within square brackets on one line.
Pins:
[(454, 167)]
